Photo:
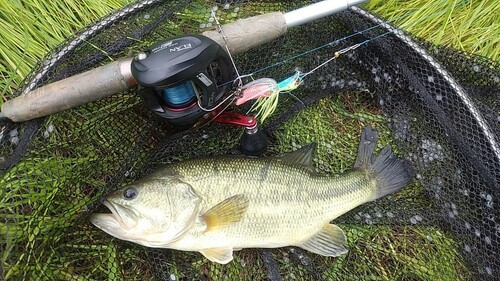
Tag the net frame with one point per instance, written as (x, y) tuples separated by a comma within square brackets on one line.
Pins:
[(482, 155)]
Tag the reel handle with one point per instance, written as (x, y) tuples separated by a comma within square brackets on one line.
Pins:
[(253, 142)]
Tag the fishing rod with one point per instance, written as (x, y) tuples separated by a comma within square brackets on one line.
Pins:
[(178, 78), (189, 80), (116, 77)]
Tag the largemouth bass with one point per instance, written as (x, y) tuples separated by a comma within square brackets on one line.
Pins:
[(221, 204)]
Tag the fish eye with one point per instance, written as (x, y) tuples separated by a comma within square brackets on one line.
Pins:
[(130, 193)]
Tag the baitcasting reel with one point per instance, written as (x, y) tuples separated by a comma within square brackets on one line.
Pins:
[(187, 78), (183, 79)]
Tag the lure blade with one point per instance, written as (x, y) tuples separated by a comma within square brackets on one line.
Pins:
[(291, 83)]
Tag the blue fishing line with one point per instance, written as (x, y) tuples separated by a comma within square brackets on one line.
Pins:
[(179, 94)]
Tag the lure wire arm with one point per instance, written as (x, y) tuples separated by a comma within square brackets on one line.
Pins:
[(234, 95), (221, 31)]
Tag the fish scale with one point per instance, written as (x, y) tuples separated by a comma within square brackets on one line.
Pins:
[(289, 195), (220, 204)]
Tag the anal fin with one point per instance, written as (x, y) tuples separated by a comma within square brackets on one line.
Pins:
[(329, 242), (219, 255)]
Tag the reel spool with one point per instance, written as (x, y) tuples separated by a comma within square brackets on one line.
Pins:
[(181, 79)]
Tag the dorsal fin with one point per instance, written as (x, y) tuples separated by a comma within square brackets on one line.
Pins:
[(302, 156)]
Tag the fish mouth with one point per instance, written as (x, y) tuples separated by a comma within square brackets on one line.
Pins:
[(120, 217)]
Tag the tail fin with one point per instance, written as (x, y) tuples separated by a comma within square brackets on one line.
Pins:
[(392, 172)]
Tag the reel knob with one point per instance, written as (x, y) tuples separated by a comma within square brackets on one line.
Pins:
[(253, 142)]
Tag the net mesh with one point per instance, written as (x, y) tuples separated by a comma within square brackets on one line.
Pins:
[(438, 108)]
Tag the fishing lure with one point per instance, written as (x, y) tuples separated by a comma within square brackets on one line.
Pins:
[(266, 91)]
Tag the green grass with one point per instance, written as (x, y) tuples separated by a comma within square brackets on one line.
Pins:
[(471, 26), (35, 27)]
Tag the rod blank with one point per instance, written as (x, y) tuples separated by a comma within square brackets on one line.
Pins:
[(318, 10)]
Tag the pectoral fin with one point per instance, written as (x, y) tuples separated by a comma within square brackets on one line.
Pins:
[(220, 255), (328, 242), (226, 212)]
